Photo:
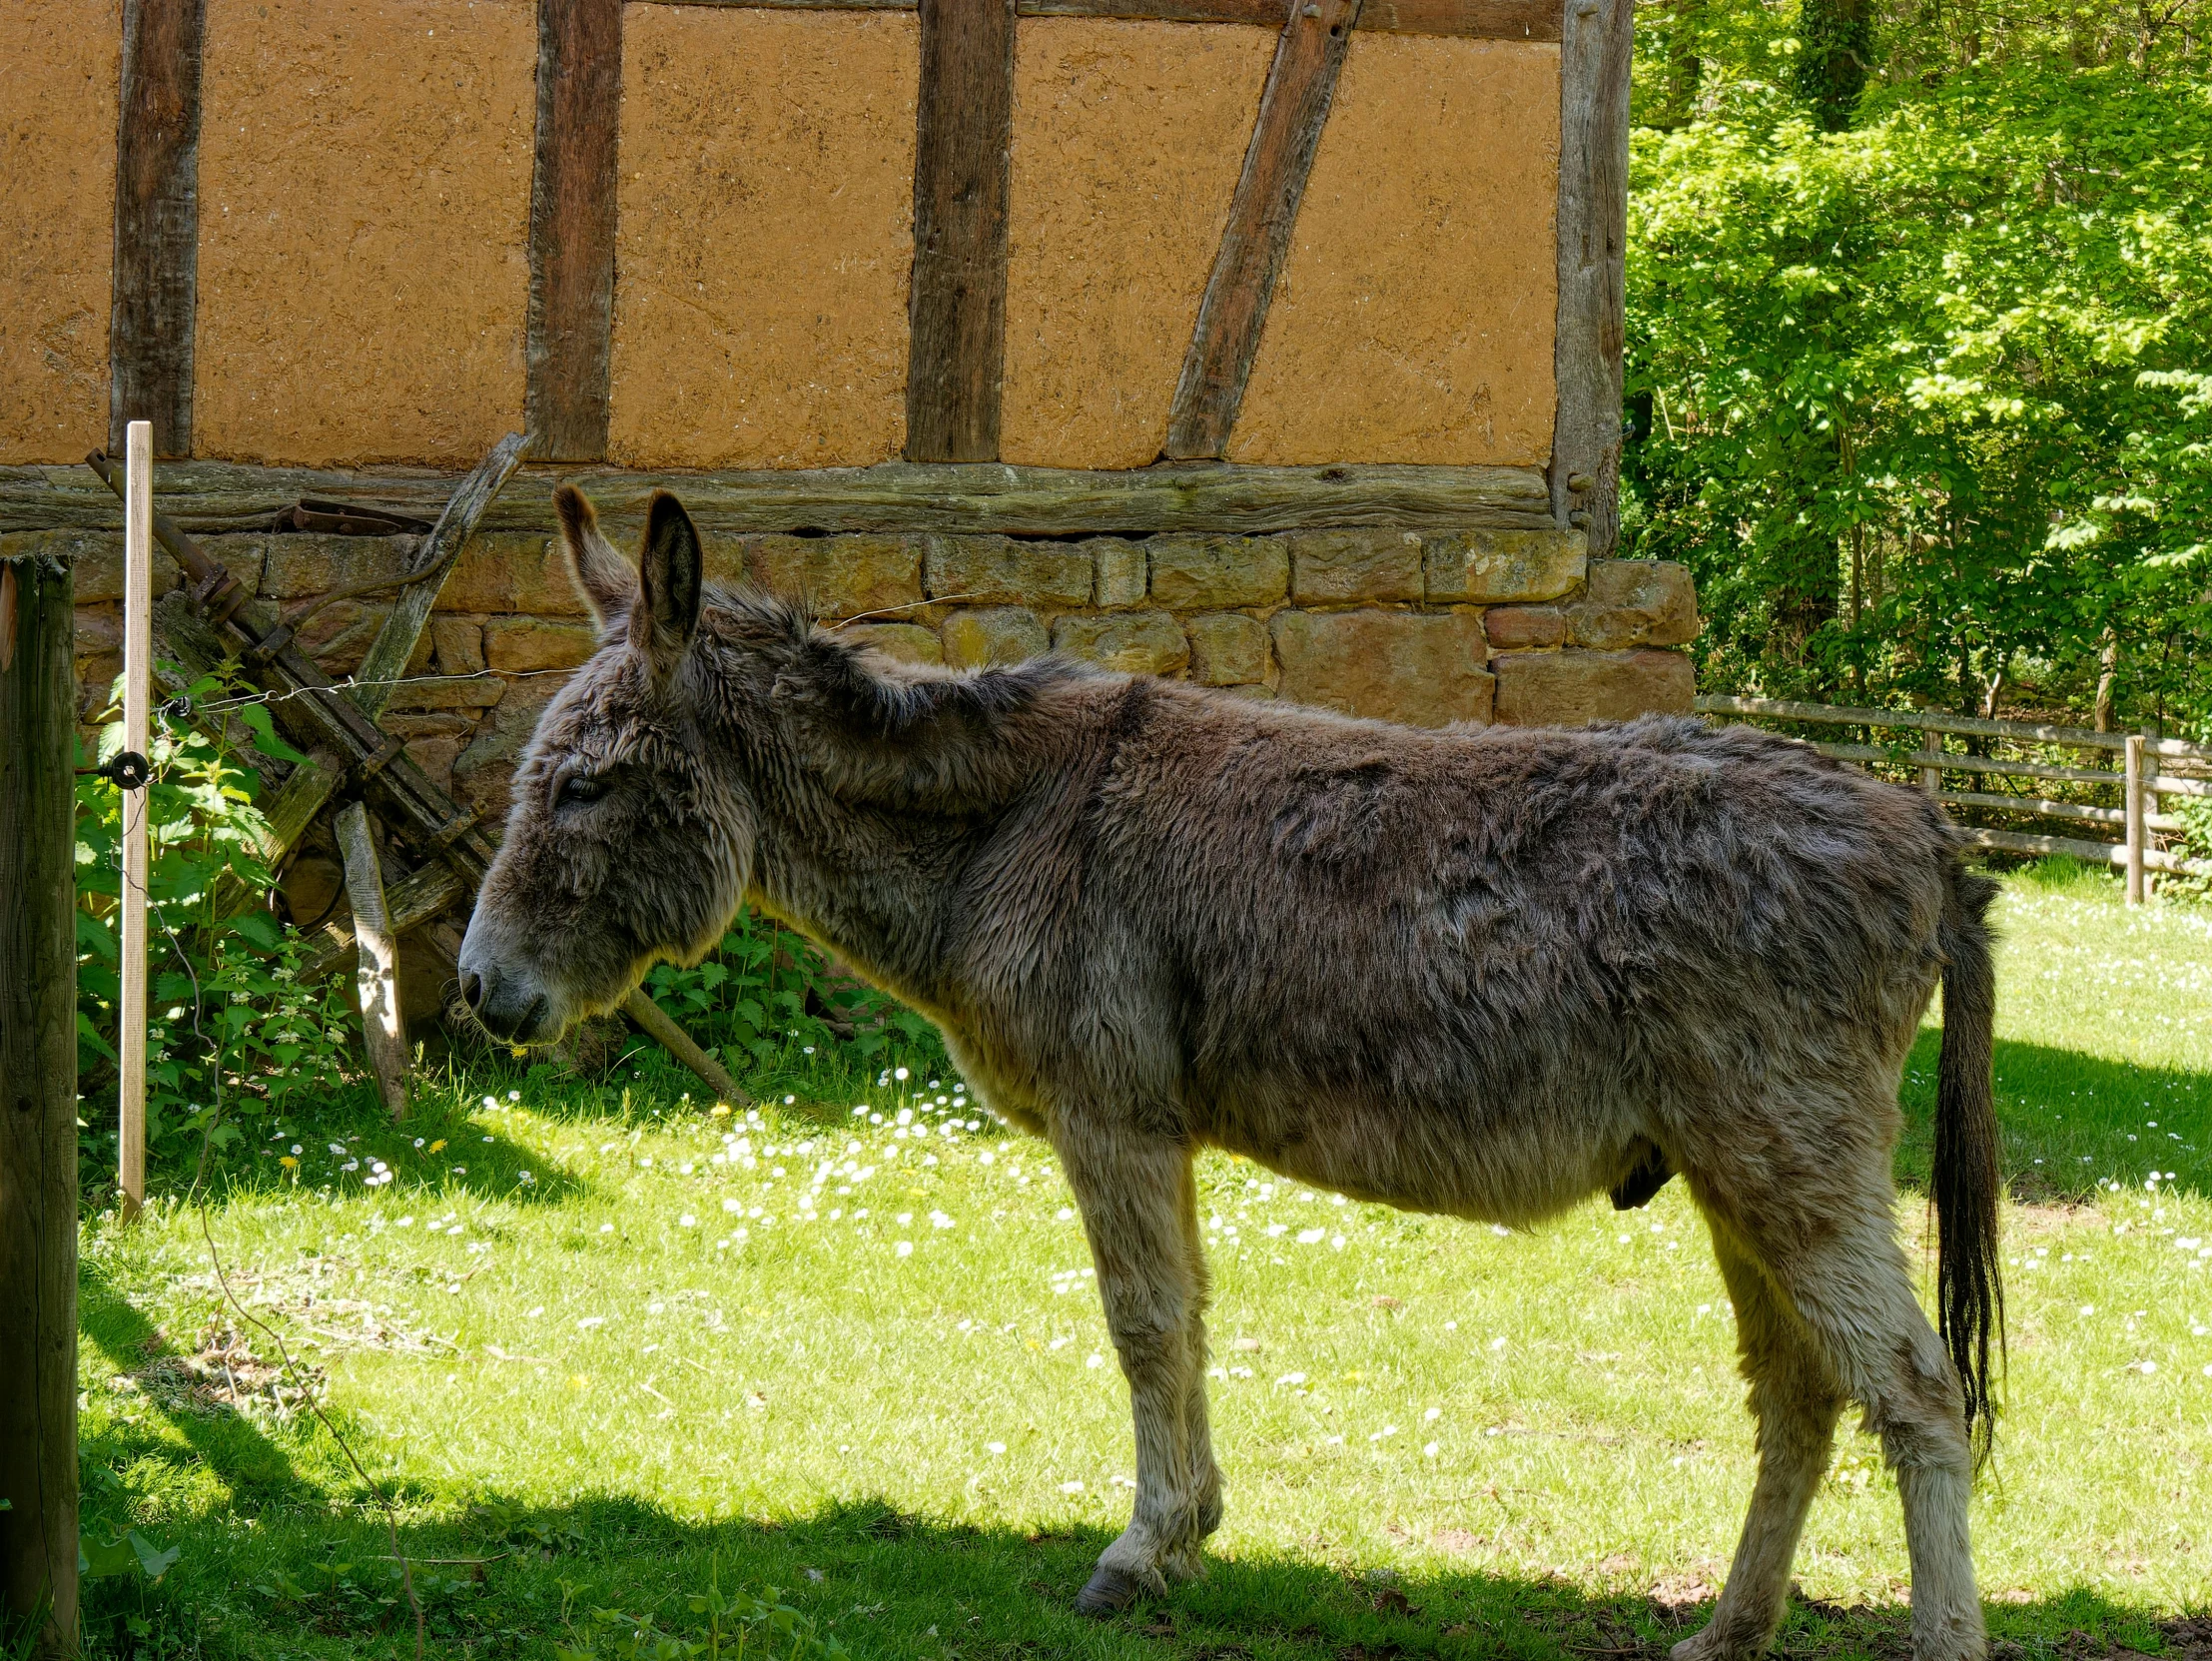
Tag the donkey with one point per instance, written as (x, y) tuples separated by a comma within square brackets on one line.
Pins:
[(1484, 973)]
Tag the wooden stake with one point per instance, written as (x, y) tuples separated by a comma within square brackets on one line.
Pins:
[(2133, 801), (384, 1034), (38, 1113), (137, 680)]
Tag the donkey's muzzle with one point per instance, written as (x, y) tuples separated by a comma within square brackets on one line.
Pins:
[(508, 1007)]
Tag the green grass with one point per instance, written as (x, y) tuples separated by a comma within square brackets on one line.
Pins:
[(567, 1378)]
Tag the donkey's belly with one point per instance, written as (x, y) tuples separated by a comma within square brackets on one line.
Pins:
[(1515, 1165)]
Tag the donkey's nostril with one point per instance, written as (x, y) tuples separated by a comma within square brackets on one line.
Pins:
[(473, 988)]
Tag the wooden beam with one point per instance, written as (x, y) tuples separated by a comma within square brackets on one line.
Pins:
[(956, 297), (1594, 54), (572, 221), (657, 1024), (384, 1032), (157, 222), (414, 900), (1294, 107), (38, 1110), (212, 496), (388, 655), (1465, 19)]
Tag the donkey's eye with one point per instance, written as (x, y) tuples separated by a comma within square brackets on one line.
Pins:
[(580, 787)]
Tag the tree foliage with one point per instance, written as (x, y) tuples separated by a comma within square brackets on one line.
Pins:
[(1925, 400)]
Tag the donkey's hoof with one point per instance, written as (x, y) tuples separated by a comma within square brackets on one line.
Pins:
[(1712, 1645), (1109, 1592)]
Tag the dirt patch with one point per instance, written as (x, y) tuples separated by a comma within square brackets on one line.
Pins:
[(223, 1373)]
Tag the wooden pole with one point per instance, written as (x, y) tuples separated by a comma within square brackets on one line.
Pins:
[(1932, 764), (383, 1033), (2133, 800), (38, 1109), (138, 681)]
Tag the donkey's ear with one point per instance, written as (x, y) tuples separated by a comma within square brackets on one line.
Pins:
[(670, 573), (606, 580)]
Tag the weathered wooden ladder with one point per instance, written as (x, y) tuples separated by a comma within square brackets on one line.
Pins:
[(356, 770)]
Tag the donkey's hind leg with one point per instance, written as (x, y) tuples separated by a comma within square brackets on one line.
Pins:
[(1134, 1190), (1796, 1399), (1824, 1234)]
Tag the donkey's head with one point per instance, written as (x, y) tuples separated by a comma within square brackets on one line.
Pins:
[(623, 844)]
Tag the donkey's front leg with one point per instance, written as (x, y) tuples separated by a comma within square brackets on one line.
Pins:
[(1132, 1190)]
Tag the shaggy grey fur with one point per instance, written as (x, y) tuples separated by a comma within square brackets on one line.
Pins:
[(1480, 973)]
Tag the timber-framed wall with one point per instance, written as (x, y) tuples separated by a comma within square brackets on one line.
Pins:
[(1272, 345)]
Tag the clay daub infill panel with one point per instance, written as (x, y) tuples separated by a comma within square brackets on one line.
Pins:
[(365, 186), (59, 79), (765, 235), (1127, 138), (1414, 317)]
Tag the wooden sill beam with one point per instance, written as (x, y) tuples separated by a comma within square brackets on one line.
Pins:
[(1463, 19), (209, 498)]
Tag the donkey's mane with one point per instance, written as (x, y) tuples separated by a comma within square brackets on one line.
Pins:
[(899, 734)]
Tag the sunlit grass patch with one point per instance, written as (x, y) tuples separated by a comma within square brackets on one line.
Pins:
[(605, 1346)]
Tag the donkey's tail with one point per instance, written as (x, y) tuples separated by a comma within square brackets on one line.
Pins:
[(1969, 1293)]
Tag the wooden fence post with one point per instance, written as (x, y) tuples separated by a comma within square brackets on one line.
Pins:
[(38, 1106), (138, 684), (381, 1032), (1931, 776), (2135, 804)]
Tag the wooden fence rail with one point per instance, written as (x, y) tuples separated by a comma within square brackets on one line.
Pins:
[(2139, 780)]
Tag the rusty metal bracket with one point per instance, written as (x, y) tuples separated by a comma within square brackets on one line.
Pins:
[(374, 763)]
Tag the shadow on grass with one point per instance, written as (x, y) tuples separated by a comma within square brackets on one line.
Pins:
[(2069, 1121), (256, 1471), (508, 1580), (439, 1150)]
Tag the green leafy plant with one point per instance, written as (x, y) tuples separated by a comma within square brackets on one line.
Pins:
[(766, 989), (229, 1020), (734, 1624)]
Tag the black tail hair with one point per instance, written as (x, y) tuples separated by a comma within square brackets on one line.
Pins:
[(1967, 1183)]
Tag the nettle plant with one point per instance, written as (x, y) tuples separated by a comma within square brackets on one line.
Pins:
[(767, 989), (231, 1026)]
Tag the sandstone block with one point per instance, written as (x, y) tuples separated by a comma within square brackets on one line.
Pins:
[(435, 756), (1120, 565), (97, 629), (484, 768), (94, 559), (338, 638), (293, 567), (1334, 568), (511, 571), (1635, 602), (1573, 688), (1421, 669), (517, 646), (1519, 627), (1497, 567), (997, 570), (458, 644), (992, 635), (1228, 648), (839, 576), (1210, 574), (908, 643), (1146, 642), (449, 692)]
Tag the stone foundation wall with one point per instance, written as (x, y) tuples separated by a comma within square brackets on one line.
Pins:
[(1423, 627)]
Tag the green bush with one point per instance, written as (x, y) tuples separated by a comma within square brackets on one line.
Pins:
[(230, 1023)]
